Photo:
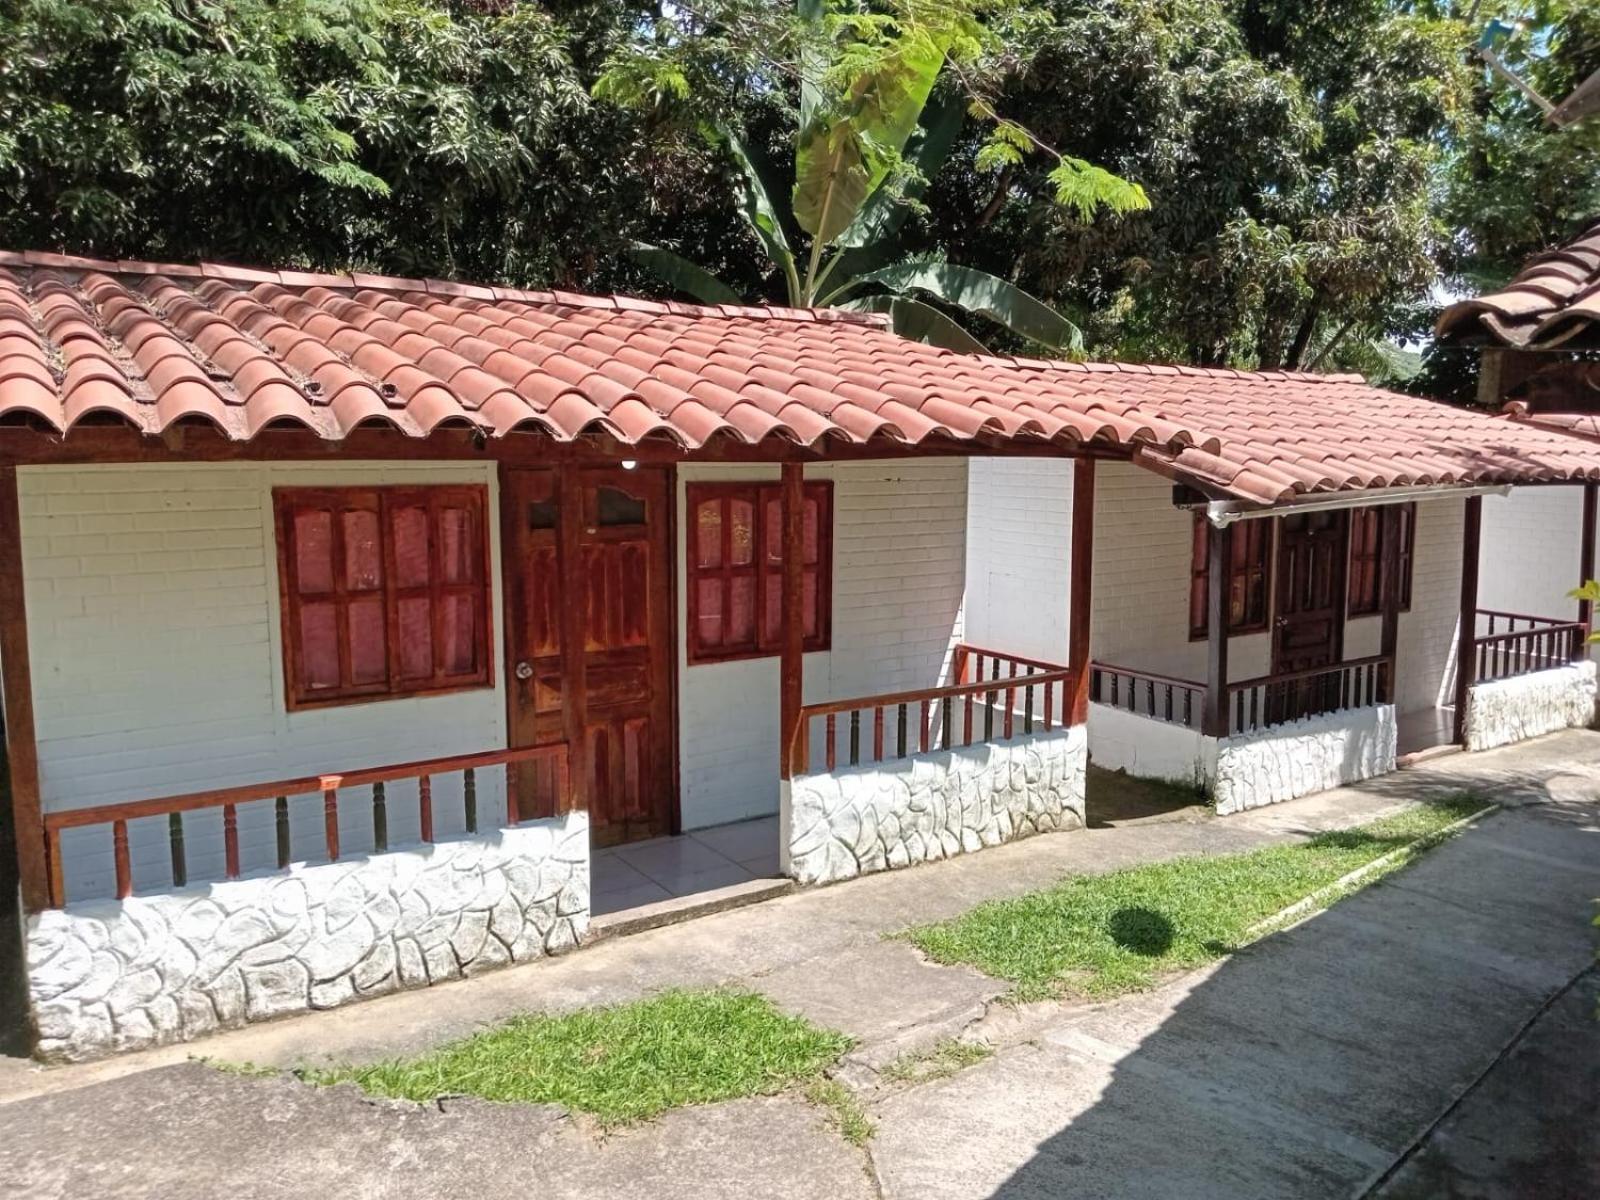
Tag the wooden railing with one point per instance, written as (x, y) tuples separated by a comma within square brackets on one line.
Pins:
[(1146, 694), (1290, 695), (1511, 644), (553, 761), (1007, 692)]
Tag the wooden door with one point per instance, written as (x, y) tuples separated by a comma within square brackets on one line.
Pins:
[(588, 564), (1308, 626)]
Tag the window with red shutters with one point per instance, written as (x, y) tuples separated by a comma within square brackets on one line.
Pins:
[(1366, 558), (735, 569), (385, 592), (1249, 576)]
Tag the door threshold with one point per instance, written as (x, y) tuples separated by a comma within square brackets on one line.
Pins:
[(1428, 754), (678, 909)]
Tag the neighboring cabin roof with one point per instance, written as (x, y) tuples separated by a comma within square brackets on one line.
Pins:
[(244, 351), (1580, 424), (1552, 304)]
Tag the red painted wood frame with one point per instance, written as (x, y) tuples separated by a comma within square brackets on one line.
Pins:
[(791, 622), (22, 752), (327, 785), (763, 569), (386, 588), (1369, 538), (1467, 614), (1248, 549), (1080, 591)]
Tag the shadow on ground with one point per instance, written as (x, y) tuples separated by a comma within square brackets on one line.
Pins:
[(1303, 1066)]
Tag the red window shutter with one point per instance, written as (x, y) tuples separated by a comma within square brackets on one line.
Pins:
[(385, 591), (734, 567)]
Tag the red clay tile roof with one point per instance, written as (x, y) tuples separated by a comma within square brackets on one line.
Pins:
[(1580, 424), (1554, 302), (245, 350)]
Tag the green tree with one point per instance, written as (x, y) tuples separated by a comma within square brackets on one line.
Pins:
[(866, 82)]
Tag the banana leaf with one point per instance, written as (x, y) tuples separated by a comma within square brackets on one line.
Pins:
[(986, 295), (843, 156), (920, 322), (762, 215), (683, 274)]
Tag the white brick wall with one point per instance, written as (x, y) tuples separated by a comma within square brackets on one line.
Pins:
[(898, 555), (1019, 550), (153, 628), (1531, 551)]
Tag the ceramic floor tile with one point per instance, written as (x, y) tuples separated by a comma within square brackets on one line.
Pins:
[(681, 855), (623, 899), (740, 841)]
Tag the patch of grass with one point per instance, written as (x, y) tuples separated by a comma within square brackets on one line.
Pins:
[(624, 1063), (938, 1062), (1101, 935), (844, 1111), (249, 1070)]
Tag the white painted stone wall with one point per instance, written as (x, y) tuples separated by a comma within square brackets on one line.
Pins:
[(1302, 757), (899, 548), (154, 634), (109, 976), (1525, 706), (932, 806), (1124, 741)]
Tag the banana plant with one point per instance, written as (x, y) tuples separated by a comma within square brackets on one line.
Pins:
[(867, 143)]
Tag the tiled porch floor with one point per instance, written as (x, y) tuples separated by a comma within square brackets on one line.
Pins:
[(625, 877)]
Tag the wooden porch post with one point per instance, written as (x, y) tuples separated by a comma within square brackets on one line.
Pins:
[(574, 676), (791, 737), (1215, 723), (1389, 597), (1466, 640), (1080, 590), (1591, 493), (22, 751)]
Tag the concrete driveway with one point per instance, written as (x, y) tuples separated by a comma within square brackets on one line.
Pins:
[(1414, 1041)]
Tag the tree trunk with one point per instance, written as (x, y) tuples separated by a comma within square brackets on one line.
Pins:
[(997, 201), (1302, 336)]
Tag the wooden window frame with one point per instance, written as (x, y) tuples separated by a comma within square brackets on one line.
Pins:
[(1200, 569), (757, 493), (1355, 607), (383, 500)]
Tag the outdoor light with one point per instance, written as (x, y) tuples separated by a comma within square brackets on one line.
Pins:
[(629, 464)]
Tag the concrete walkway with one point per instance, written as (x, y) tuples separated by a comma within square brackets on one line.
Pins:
[(1308, 1065)]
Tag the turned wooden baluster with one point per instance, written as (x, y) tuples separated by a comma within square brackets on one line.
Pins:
[(330, 814)]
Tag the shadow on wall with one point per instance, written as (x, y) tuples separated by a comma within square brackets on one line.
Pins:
[(1305, 1065)]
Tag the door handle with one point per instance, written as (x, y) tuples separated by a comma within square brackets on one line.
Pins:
[(524, 670)]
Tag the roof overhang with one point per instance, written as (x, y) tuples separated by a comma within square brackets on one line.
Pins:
[(1223, 513)]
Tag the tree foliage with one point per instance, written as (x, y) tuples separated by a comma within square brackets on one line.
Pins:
[(1313, 172)]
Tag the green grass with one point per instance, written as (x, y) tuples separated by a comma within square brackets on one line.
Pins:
[(624, 1063), (844, 1111), (1100, 935), (945, 1059)]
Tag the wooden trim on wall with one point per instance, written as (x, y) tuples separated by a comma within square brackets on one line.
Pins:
[(1214, 722), (22, 750), (1080, 610), (792, 623), (1591, 494), (1467, 627), (574, 674)]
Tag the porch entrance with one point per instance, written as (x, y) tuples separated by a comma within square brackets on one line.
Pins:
[(1308, 630), (588, 564)]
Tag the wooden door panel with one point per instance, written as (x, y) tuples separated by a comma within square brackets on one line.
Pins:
[(616, 527), (1308, 627)]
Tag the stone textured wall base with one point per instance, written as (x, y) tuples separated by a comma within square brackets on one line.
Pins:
[(108, 976), (1513, 710), (1301, 757), (932, 806)]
